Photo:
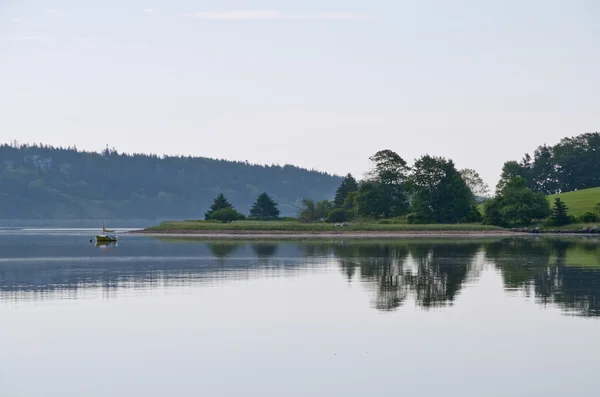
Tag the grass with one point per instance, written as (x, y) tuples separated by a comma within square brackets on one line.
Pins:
[(580, 201), (310, 227)]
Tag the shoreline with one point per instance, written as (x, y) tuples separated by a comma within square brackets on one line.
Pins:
[(287, 234)]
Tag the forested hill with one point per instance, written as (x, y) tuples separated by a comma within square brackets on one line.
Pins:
[(46, 182)]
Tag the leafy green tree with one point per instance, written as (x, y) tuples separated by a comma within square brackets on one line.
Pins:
[(560, 213), (383, 194), (516, 204), (478, 187), (510, 170), (440, 194), (349, 201), (227, 215), (264, 208), (219, 203), (379, 200), (312, 211), (348, 185), (338, 215), (388, 167)]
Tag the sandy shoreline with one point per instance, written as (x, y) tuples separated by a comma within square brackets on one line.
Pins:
[(250, 234)]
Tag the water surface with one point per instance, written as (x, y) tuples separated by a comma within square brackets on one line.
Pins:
[(154, 317)]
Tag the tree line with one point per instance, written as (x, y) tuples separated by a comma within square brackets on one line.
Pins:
[(38, 181), (572, 164)]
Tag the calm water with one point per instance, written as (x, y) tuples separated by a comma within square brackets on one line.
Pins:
[(152, 317)]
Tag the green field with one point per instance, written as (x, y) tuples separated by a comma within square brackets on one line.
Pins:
[(579, 202), (309, 227)]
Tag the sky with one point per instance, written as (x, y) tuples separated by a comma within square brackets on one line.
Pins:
[(319, 84)]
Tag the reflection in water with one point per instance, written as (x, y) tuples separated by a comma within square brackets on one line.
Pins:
[(431, 274), (565, 272)]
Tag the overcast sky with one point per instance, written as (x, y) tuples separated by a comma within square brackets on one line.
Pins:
[(321, 84)]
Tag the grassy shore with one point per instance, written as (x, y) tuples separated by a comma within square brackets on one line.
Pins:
[(200, 227)]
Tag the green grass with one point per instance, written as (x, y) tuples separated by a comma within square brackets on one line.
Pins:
[(309, 227), (580, 201)]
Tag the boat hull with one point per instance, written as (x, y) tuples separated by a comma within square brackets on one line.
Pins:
[(106, 239)]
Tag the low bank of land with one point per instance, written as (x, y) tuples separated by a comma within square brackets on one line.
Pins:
[(297, 229)]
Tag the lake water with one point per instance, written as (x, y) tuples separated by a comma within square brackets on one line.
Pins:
[(166, 317)]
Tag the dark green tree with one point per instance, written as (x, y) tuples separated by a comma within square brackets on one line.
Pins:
[(560, 213), (227, 215), (348, 185), (264, 208), (388, 168), (219, 203), (440, 193), (383, 194), (516, 204)]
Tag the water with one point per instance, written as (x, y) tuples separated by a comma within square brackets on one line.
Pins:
[(155, 317)]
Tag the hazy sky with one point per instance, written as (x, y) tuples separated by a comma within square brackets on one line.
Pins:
[(321, 84)]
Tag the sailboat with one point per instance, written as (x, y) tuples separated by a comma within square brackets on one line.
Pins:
[(107, 236)]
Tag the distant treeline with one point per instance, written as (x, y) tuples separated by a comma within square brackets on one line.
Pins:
[(572, 164), (39, 181)]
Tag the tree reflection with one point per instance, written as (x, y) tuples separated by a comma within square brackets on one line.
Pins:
[(433, 274), (564, 272), (264, 250), (222, 250)]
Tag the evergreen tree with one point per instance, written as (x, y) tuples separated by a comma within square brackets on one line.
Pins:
[(347, 186), (560, 213), (264, 208), (219, 203)]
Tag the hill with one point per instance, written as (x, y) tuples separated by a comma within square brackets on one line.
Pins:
[(580, 201), (42, 182)]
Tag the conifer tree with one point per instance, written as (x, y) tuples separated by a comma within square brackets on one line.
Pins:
[(219, 203), (264, 208), (560, 213)]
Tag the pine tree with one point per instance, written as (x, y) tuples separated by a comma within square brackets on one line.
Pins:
[(560, 213), (347, 186), (219, 203), (264, 208)]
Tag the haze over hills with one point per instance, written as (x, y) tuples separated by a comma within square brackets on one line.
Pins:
[(47, 182)]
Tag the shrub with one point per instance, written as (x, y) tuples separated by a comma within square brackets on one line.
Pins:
[(288, 219), (588, 217), (338, 215), (417, 219), (227, 215)]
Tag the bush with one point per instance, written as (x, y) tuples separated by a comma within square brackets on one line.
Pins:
[(227, 215), (417, 219), (588, 217), (288, 219), (338, 215)]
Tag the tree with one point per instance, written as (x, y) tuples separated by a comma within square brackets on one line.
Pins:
[(227, 215), (219, 203), (560, 213), (348, 185), (312, 211), (383, 194), (440, 194), (379, 200), (510, 170), (388, 167), (264, 208), (515, 203), (478, 187), (337, 215)]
